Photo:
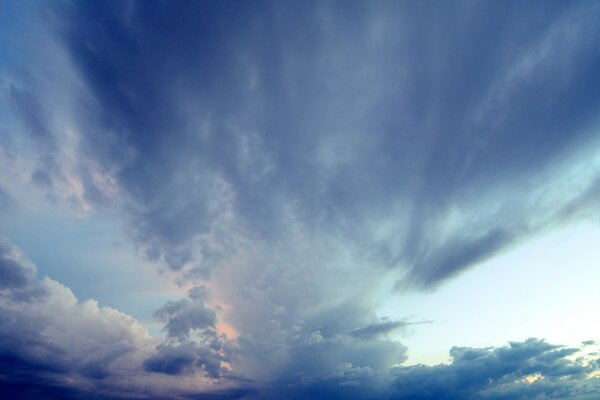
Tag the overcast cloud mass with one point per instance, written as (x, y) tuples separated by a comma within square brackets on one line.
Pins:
[(288, 168)]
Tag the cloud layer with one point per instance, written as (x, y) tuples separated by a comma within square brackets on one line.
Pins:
[(198, 112)]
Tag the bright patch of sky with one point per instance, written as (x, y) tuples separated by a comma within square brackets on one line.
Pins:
[(545, 287)]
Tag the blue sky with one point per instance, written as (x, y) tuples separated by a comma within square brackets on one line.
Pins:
[(300, 200)]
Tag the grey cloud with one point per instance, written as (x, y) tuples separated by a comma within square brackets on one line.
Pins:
[(16, 271), (293, 355), (498, 373), (185, 357), (380, 328), (336, 367), (295, 154), (192, 340), (187, 314), (53, 345), (474, 373), (171, 360), (455, 255), (56, 332), (283, 128), (241, 393)]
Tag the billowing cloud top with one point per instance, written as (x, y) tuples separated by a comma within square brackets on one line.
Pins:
[(292, 164)]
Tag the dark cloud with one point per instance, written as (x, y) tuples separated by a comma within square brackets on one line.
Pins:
[(185, 357), (53, 346), (187, 314), (17, 275), (185, 318), (16, 272), (532, 369), (456, 254), (297, 114), (225, 394), (499, 373), (379, 328), (171, 360), (35, 390)]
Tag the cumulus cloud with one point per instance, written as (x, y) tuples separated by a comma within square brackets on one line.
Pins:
[(52, 337), (184, 315), (532, 369), (193, 341), (52, 344), (175, 360), (15, 270)]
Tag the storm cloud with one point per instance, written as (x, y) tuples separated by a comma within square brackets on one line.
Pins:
[(203, 113), (291, 164)]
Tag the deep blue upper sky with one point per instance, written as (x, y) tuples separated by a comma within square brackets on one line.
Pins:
[(257, 192)]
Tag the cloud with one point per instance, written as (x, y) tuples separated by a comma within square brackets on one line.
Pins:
[(379, 328), (53, 345), (298, 158), (531, 369), (197, 142), (76, 350), (456, 254), (187, 314), (15, 270), (187, 319), (50, 337)]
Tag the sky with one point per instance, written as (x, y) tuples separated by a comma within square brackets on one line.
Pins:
[(299, 200)]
